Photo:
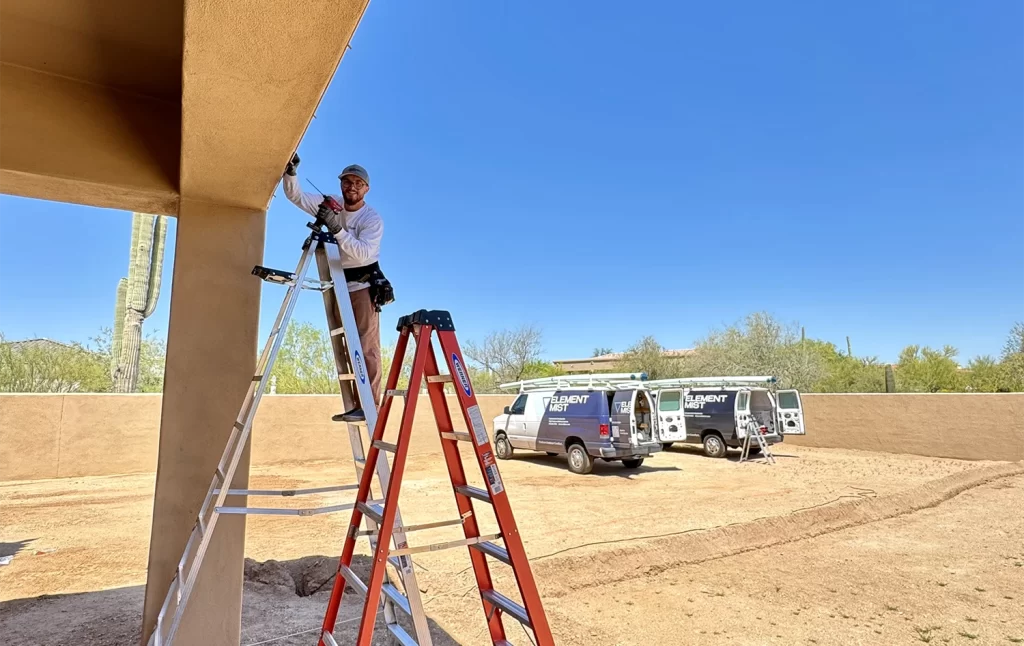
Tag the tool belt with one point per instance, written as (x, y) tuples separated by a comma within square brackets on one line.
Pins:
[(381, 292)]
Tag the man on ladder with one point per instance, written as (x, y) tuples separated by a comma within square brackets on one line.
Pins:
[(358, 229)]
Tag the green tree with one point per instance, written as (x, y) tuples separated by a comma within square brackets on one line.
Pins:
[(506, 354), (843, 373), (1012, 360), (927, 370), (985, 375), (599, 351), (305, 361), (648, 356), (758, 345), (42, 366)]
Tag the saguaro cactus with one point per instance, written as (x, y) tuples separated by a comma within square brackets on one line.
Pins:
[(136, 298), (890, 380)]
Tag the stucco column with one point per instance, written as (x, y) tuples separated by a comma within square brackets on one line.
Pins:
[(211, 356)]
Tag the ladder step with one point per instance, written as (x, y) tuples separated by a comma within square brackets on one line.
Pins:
[(338, 331), (397, 597), (397, 393), (375, 512), (439, 379), (279, 276), (495, 551), (434, 547), (346, 376), (404, 529), (510, 607), (458, 436), (385, 446), (404, 638), (328, 639), (271, 511), (286, 492), (352, 579), (474, 492)]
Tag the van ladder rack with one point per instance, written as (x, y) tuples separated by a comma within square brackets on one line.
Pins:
[(680, 382), (599, 380)]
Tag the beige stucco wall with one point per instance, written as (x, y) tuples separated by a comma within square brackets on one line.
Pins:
[(978, 426), (49, 436), (61, 436)]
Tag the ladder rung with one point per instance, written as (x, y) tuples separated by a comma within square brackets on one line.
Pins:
[(354, 580), (385, 446), (396, 393), (286, 492), (338, 331), (457, 435), (271, 511), (474, 492), (257, 377), (396, 595), (346, 376), (375, 512), (439, 379), (496, 551), (328, 639), (510, 607), (404, 638), (416, 528), (462, 542)]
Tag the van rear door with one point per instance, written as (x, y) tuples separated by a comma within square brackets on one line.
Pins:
[(790, 413), (671, 421), (741, 413)]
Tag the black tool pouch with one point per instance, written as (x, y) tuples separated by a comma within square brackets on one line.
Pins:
[(381, 292)]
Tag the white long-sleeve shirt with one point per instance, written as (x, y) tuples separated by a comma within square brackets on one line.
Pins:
[(359, 239)]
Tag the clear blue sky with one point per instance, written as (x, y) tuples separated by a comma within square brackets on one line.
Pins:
[(607, 171)]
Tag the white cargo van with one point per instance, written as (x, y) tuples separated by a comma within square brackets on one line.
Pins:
[(715, 411), (608, 417)]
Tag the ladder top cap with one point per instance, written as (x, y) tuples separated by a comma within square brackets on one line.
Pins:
[(440, 320)]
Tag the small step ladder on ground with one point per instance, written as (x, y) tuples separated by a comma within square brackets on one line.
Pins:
[(755, 435), (421, 326), (355, 386)]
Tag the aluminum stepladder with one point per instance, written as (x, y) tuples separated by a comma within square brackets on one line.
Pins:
[(755, 433), (354, 382), (421, 326)]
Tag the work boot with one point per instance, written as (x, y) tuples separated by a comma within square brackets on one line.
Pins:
[(354, 415)]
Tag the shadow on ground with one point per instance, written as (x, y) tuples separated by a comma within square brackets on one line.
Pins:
[(13, 548), (283, 604), (601, 468)]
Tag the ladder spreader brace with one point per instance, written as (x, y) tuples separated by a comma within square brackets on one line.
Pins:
[(354, 383), (421, 326)]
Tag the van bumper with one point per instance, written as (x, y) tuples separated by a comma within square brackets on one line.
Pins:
[(610, 452)]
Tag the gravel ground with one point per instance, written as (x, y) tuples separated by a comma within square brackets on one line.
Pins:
[(686, 549)]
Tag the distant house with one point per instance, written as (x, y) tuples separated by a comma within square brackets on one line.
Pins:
[(38, 344), (605, 362)]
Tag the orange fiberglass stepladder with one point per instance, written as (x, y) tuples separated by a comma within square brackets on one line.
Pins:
[(421, 326)]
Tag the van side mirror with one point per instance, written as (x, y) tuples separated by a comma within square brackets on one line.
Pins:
[(506, 410)]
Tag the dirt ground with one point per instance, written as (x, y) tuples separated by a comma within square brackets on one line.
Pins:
[(825, 547)]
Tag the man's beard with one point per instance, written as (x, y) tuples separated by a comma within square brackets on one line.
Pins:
[(349, 200)]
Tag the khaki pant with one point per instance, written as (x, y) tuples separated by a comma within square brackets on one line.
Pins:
[(368, 324)]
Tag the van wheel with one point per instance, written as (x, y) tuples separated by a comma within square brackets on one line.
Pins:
[(579, 461), (633, 463), (714, 446), (502, 448)]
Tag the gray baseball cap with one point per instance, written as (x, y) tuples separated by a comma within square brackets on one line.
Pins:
[(358, 171)]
